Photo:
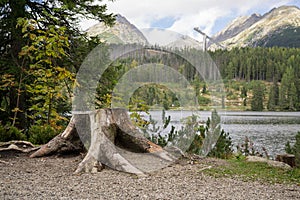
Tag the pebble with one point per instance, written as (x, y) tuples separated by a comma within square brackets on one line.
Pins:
[(52, 178)]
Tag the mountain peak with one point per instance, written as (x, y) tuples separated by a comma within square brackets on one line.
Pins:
[(119, 18), (185, 42), (282, 10), (122, 32), (236, 26), (278, 27)]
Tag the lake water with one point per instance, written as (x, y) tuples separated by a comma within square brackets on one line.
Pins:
[(265, 129)]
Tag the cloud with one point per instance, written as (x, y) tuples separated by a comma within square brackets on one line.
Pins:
[(160, 36), (184, 15)]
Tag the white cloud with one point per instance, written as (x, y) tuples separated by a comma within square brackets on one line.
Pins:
[(187, 13), (160, 36)]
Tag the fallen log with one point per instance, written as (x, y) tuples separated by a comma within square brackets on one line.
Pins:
[(18, 146)]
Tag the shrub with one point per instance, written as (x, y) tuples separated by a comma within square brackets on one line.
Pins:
[(203, 100), (223, 147), (200, 146), (41, 134), (8, 133), (295, 149)]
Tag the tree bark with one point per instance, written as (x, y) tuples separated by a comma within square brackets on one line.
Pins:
[(111, 139)]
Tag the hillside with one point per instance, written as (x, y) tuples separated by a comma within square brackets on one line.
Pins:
[(278, 27), (122, 32)]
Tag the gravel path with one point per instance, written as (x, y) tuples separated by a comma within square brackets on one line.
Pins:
[(52, 178)]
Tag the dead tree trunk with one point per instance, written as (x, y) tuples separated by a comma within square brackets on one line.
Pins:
[(111, 140)]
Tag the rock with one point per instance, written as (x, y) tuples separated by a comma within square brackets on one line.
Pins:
[(286, 158), (272, 163)]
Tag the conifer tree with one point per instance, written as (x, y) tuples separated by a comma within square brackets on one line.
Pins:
[(258, 96), (288, 92)]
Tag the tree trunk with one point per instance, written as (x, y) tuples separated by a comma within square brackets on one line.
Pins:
[(111, 140)]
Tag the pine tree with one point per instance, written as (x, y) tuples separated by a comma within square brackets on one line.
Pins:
[(258, 96), (244, 95), (288, 97), (273, 96), (49, 16)]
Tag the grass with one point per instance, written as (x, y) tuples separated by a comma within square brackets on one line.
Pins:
[(255, 171)]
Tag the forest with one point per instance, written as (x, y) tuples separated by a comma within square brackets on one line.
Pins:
[(275, 72)]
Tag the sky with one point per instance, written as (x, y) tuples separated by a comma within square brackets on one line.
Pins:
[(182, 16)]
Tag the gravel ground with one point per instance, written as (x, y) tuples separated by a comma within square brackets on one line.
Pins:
[(52, 178)]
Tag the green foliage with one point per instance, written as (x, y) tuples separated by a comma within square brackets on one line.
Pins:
[(204, 135), (155, 95), (41, 134), (223, 147), (51, 82), (256, 63), (139, 121), (244, 95), (255, 171), (277, 64), (192, 125), (203, 100), (286, 37), (258, 96), (204, 89), (295, 149), (108, 80), (46, 46), (156, 136), (8, 133), (288, 98), (288, 148), (159, 139), (273, 96)]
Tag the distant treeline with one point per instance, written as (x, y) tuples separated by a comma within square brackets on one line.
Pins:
[(279, 66), (258, 63)]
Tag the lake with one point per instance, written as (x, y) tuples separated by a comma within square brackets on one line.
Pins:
[(265, 129)]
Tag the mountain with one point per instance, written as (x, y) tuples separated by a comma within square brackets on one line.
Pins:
[(278, 27), (170, 39), (122, 32), (236, 26), (183, 42)]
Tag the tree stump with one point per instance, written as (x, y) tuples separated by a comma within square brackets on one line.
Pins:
[(287, 158), (111, 140)]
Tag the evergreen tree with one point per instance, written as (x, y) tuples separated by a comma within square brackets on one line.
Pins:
[(258, 96), (50, 17), (288, 97), (244, 95), (273, 96)]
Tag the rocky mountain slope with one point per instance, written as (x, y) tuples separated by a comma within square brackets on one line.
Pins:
[(122, 32), (279, 27), (185, 41), (236, 26)]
